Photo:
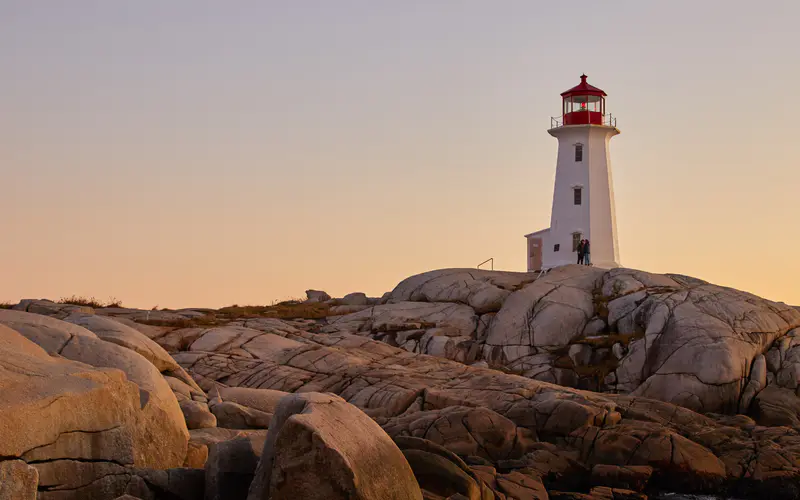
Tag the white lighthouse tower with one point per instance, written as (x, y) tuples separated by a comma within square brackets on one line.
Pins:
[(583, 197)]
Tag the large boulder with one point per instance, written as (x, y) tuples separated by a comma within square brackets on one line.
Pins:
[(776, 406), (234, 416), (443, 474), (320, 447), (484, 291), (547, 314), (315, 296), (231, 465), (163, 440), (50, 333), (197, 414), (49, 308), (465, 431), (114, 331), (75, 423), (264, 400), (354, 299), (700, 344), (160, 407)]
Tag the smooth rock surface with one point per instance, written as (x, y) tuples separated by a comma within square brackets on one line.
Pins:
[(321, 447)]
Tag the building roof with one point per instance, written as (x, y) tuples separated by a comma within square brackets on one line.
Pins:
[(541, 231), (583, 88)]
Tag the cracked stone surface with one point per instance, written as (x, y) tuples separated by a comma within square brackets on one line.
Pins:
[(113, 331), (402, 316), (322, 448), (50, 308), (465, 431), (477, 377), (446, 401), (670, 337), (55, 412), (548, 313), (484, 291)]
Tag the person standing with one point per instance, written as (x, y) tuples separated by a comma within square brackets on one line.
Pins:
[(586, 253), (580, 251)]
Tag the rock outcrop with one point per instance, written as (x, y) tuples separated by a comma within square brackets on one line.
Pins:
[(322, 448), (667, 337), (87, 408), (75, 424), (317, 296), (164, 435), (505, 419), (579, 383)]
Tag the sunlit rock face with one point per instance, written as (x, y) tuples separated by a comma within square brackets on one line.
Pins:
[(579, 383), (667, 337), (496, 423)]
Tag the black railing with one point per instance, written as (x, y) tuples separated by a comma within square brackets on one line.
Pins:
[(490, 259)]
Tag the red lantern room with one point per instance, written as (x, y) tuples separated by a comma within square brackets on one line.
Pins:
[(583, 105)]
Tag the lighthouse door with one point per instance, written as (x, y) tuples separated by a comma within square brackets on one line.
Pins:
[(534, 254)]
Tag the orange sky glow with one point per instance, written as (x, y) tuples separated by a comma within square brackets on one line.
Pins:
[(195, 154)]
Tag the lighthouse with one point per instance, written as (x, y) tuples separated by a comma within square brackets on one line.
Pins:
[(583, 195)]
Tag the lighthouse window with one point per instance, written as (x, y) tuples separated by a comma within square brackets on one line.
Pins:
[(579, 152), (577, 195), (556, 247)]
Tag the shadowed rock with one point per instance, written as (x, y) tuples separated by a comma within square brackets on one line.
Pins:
[(18, 480)]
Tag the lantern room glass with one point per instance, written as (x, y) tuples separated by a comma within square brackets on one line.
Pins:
[(592, 103)]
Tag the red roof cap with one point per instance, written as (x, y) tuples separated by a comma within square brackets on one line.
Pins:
[(583, 89)]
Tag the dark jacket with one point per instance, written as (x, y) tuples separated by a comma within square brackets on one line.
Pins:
[(580, 248), (586, 247)]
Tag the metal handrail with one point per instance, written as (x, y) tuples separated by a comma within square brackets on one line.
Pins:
[(608, 120), (490, 259)]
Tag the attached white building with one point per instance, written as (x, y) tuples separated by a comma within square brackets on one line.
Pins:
[(583, 197)]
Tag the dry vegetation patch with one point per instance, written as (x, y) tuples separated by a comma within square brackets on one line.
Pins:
[(79, 300), (290, 309)]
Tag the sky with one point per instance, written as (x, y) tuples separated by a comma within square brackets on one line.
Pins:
[(199, 153)]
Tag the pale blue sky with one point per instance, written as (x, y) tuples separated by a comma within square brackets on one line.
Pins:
[(205, 153)]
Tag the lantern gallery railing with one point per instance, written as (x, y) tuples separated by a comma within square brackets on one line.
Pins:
[(608, 120)]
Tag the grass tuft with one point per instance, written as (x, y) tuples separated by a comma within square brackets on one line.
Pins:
[(6, 305), (79, 300)]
